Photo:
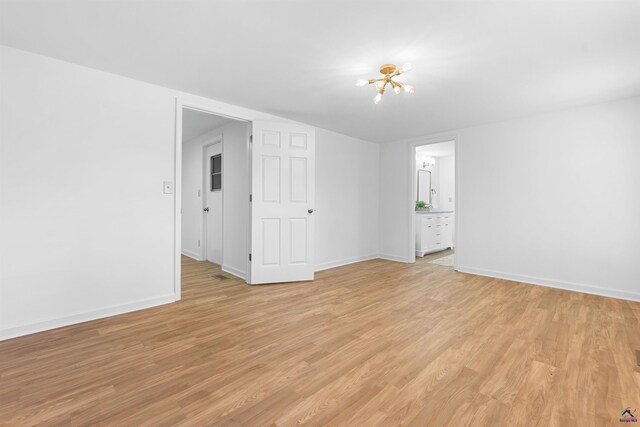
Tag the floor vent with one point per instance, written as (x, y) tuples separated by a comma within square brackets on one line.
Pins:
[(220, 276)]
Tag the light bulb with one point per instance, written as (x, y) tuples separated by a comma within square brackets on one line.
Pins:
[(377, 99), (380, 84), (397, 89), (406, 67), (409, 89), (362, 82)]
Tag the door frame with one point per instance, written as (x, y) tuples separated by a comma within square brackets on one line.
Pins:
[(211, 107), (411, 212), (204, 238)]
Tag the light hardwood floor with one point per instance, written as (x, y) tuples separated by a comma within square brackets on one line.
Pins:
[(374, 343)]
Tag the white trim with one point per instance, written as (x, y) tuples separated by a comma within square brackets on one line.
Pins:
[(346, 261), (177, 205), (249, 154), (232, 270), (396, 258), (85, 317), (556, 284), (413, 144), (193, 255)]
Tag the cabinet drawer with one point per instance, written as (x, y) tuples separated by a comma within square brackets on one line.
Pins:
[(429, 219)]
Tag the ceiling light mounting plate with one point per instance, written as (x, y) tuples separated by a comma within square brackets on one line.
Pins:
[(387, 69)]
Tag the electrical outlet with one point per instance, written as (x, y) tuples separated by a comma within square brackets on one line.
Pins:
[(167, 187)]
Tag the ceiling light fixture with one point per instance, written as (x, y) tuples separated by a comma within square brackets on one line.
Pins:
[(390, 71)]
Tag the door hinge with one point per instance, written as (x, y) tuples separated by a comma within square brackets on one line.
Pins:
[(249, 257), (250, 139), (251, 197)]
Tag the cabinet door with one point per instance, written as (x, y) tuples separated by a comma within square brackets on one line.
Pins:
[(428, 237)]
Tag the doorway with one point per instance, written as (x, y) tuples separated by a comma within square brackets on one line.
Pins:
[(214, 188), (433, 195), (267, 178)]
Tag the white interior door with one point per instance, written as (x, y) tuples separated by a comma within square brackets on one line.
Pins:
[(283, 197), (213, 202)]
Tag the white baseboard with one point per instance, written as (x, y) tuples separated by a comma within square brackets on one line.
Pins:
[(236, 272), (550, 283), (394, 258), (85, 317), (346, 261), (193, 255)]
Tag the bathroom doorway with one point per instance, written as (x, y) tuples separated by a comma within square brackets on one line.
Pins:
[(433, 215)]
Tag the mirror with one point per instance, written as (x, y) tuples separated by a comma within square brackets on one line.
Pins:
[(424, 186)]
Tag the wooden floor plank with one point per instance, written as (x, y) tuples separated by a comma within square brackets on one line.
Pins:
[(373, 343)]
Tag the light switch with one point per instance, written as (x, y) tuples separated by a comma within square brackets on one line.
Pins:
[(167, 187)]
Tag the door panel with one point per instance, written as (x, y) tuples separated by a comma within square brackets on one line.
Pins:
[(298, 179), (271, 172), (213, 201), (283, 194), (298, 236)]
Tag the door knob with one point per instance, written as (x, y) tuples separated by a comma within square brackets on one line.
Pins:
[(206, 209), (311, 210)]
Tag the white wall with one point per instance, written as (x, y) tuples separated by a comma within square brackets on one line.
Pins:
[(442, 181), (85, 226), (550, 199), (447, 180), (347, 199), (85, 229)]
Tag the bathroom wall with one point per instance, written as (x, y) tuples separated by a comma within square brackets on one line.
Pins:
[(446, 183), (435, 176)]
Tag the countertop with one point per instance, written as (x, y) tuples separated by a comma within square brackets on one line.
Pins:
[(433, 212)]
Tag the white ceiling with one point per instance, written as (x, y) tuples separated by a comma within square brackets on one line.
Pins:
[(474, 61), (441, 149), (195, 123)]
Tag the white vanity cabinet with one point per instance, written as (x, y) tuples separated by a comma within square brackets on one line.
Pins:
[(434, 232)]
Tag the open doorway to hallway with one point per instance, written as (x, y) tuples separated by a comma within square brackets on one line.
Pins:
[(215, 218), (434, 218), (265, 176)]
